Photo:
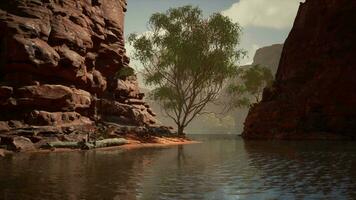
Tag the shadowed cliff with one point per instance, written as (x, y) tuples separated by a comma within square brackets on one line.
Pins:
[(314, 95)]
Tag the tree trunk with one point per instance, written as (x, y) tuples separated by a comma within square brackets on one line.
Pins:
[(180, 131)]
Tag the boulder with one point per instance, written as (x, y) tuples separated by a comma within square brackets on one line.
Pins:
[(18, 143), (46, 96), (4, 126), (43, 118)]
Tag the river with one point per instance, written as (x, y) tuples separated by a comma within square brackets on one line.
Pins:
[(222, 167)]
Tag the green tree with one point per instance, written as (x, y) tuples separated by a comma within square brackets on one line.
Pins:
[(187, 58), (249, 85)]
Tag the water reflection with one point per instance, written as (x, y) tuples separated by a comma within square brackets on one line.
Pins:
[(220, 168)]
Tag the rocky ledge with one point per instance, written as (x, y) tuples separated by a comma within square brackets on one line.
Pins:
[(64, 74), (314, 96)]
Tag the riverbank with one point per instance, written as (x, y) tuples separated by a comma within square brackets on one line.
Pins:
[(133, 142)]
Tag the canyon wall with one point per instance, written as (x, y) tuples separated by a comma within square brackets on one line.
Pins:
[(314, 95), (63, 68), (269, 57)]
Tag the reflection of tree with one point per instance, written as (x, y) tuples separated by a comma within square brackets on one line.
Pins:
[(180, 156), (212, 123), (305, 169), (212, 170), (193, 171)]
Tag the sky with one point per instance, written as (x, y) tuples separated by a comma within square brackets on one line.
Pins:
[(264, 22)]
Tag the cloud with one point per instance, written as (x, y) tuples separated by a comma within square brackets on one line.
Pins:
[(277, 14), (251, 53)]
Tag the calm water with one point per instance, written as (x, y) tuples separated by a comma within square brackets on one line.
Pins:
[(223, 167)]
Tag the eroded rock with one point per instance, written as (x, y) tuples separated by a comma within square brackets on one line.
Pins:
[(18, 143), (63, 69)]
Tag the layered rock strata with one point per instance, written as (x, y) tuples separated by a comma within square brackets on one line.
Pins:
[(63, 69)]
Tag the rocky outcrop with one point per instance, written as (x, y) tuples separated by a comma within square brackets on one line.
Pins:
[(63, 68), (314, 95)]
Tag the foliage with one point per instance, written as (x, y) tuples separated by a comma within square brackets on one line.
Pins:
[(248, 87), (213, 124), (187, 58), (125, 72)]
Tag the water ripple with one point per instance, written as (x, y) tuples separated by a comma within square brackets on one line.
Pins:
[(218, 169)]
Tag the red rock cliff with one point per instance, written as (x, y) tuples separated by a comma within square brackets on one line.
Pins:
[(314, 96), (63, 67)]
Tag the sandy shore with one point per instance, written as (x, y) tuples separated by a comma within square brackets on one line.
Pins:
[(156, 142), (134, 142)]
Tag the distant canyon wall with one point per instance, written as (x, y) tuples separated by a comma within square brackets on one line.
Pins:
[(314, 95), (269, 57)]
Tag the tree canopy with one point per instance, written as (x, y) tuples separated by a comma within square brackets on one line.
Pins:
[(248, 86), (188, 59)]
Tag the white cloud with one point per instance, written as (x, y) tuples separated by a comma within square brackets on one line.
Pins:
[(251, 53), (277, 14)]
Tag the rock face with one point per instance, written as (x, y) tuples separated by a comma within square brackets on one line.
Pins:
[(314, 96), (63, 67), (268, 56)]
